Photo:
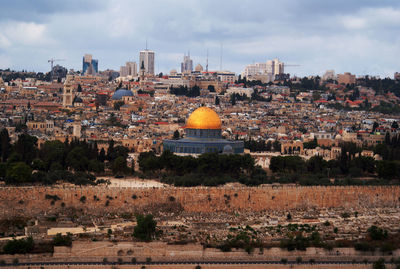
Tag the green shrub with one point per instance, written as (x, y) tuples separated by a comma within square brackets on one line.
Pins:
[(146, 227), (62, 240), (345, 215), (364, 246), (52, 197), (19, 246), (379, 264), (377, 233), (387, 247)]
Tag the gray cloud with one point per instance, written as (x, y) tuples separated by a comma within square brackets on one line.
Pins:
[(40, 10), (355, 36)]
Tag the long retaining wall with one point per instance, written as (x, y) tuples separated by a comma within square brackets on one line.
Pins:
[(162, 252), (30, 201)]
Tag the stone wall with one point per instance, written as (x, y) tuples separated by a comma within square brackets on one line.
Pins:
[(160, 251), (30, 201), (207, 266)]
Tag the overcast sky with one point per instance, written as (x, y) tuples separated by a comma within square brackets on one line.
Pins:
[(358, 36)]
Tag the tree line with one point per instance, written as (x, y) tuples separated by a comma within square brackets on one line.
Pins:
[(184, 90), (383, 107), (9, 75), (261, 145), (350, 164), (208, 169), (73, 161)]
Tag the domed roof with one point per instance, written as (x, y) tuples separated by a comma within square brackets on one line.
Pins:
[(203, 118), (198, 68), (118, 94), (227, 149)]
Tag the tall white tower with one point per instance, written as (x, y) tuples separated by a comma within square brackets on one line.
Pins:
[(147, 58), (278, 67)]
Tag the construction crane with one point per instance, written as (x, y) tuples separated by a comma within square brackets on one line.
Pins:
[(52, 60), (291, 65)]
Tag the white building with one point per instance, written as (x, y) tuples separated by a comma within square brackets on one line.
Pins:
[(250, 70), (278, 67), (226, 76), (274, 67), (329, 74), (147, 60), (242, 91)]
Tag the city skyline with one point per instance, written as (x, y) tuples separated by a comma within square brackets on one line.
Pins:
[(343, 35)]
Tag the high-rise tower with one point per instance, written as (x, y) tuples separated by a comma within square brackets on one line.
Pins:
[(89, 66), (146, 57), (187, 64)]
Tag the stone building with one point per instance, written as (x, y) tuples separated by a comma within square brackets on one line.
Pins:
[(68, 92)]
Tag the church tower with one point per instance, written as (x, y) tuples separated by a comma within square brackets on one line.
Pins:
[(68, 92), (142, 71)]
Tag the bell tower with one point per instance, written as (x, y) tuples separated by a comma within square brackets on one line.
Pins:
[(68, 92)]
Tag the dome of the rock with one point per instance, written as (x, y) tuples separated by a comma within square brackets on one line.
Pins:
[(203, 118), (203, 135)]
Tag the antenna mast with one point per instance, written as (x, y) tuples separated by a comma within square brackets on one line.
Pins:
[(207, 63)]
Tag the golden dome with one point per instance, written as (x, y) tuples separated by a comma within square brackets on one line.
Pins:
[(203, 118)]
